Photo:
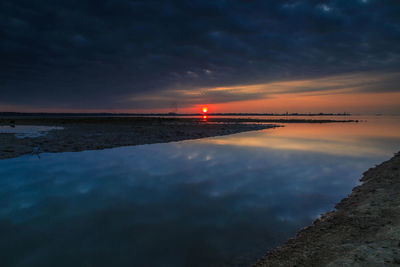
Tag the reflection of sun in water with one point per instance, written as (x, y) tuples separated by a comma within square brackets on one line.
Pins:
[(205, 110)]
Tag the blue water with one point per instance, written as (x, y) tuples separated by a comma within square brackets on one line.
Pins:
[(209, 202)]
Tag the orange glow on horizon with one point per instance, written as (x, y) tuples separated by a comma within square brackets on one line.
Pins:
[(355, 93), (368, 103), (336, 139)]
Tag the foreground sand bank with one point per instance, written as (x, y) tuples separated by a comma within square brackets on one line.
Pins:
[(363, 231)]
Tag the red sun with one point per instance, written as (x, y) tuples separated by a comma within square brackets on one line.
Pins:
[(205, 109)]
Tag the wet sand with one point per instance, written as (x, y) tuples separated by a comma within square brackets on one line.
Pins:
[(89, 133), (363, 231)]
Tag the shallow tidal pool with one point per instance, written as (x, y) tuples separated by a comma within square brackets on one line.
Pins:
[(207, 202)]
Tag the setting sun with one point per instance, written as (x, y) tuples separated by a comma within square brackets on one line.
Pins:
[(205, 109)]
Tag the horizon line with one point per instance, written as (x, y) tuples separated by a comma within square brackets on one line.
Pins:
[(172, 114)]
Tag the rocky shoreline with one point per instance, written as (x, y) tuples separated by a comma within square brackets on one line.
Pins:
[(364, 230)]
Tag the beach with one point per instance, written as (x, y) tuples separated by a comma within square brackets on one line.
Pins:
[(364, 230)]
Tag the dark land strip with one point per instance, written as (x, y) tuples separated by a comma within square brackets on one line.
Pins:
[(90, 133)]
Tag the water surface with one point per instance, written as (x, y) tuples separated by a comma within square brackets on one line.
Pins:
[(214, 201), (25, 131)]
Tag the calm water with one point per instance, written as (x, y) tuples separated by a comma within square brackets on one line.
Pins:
[(24, 131), (214, 201)]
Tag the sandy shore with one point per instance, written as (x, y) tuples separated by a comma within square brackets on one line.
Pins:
[(363, 231), (89, 133)]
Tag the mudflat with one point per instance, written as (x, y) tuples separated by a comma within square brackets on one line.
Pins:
[(363, 231), (89, 133)]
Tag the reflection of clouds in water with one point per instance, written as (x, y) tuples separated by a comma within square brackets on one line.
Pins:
[(179, 201), (84, 188), (370, 138), (303, 144)]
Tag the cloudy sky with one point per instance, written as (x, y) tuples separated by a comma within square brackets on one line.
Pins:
[(177, 55)]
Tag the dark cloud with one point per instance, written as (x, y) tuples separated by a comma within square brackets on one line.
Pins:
[(92, 54)]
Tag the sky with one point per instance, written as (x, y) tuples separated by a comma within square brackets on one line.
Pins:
[(180, 55)]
